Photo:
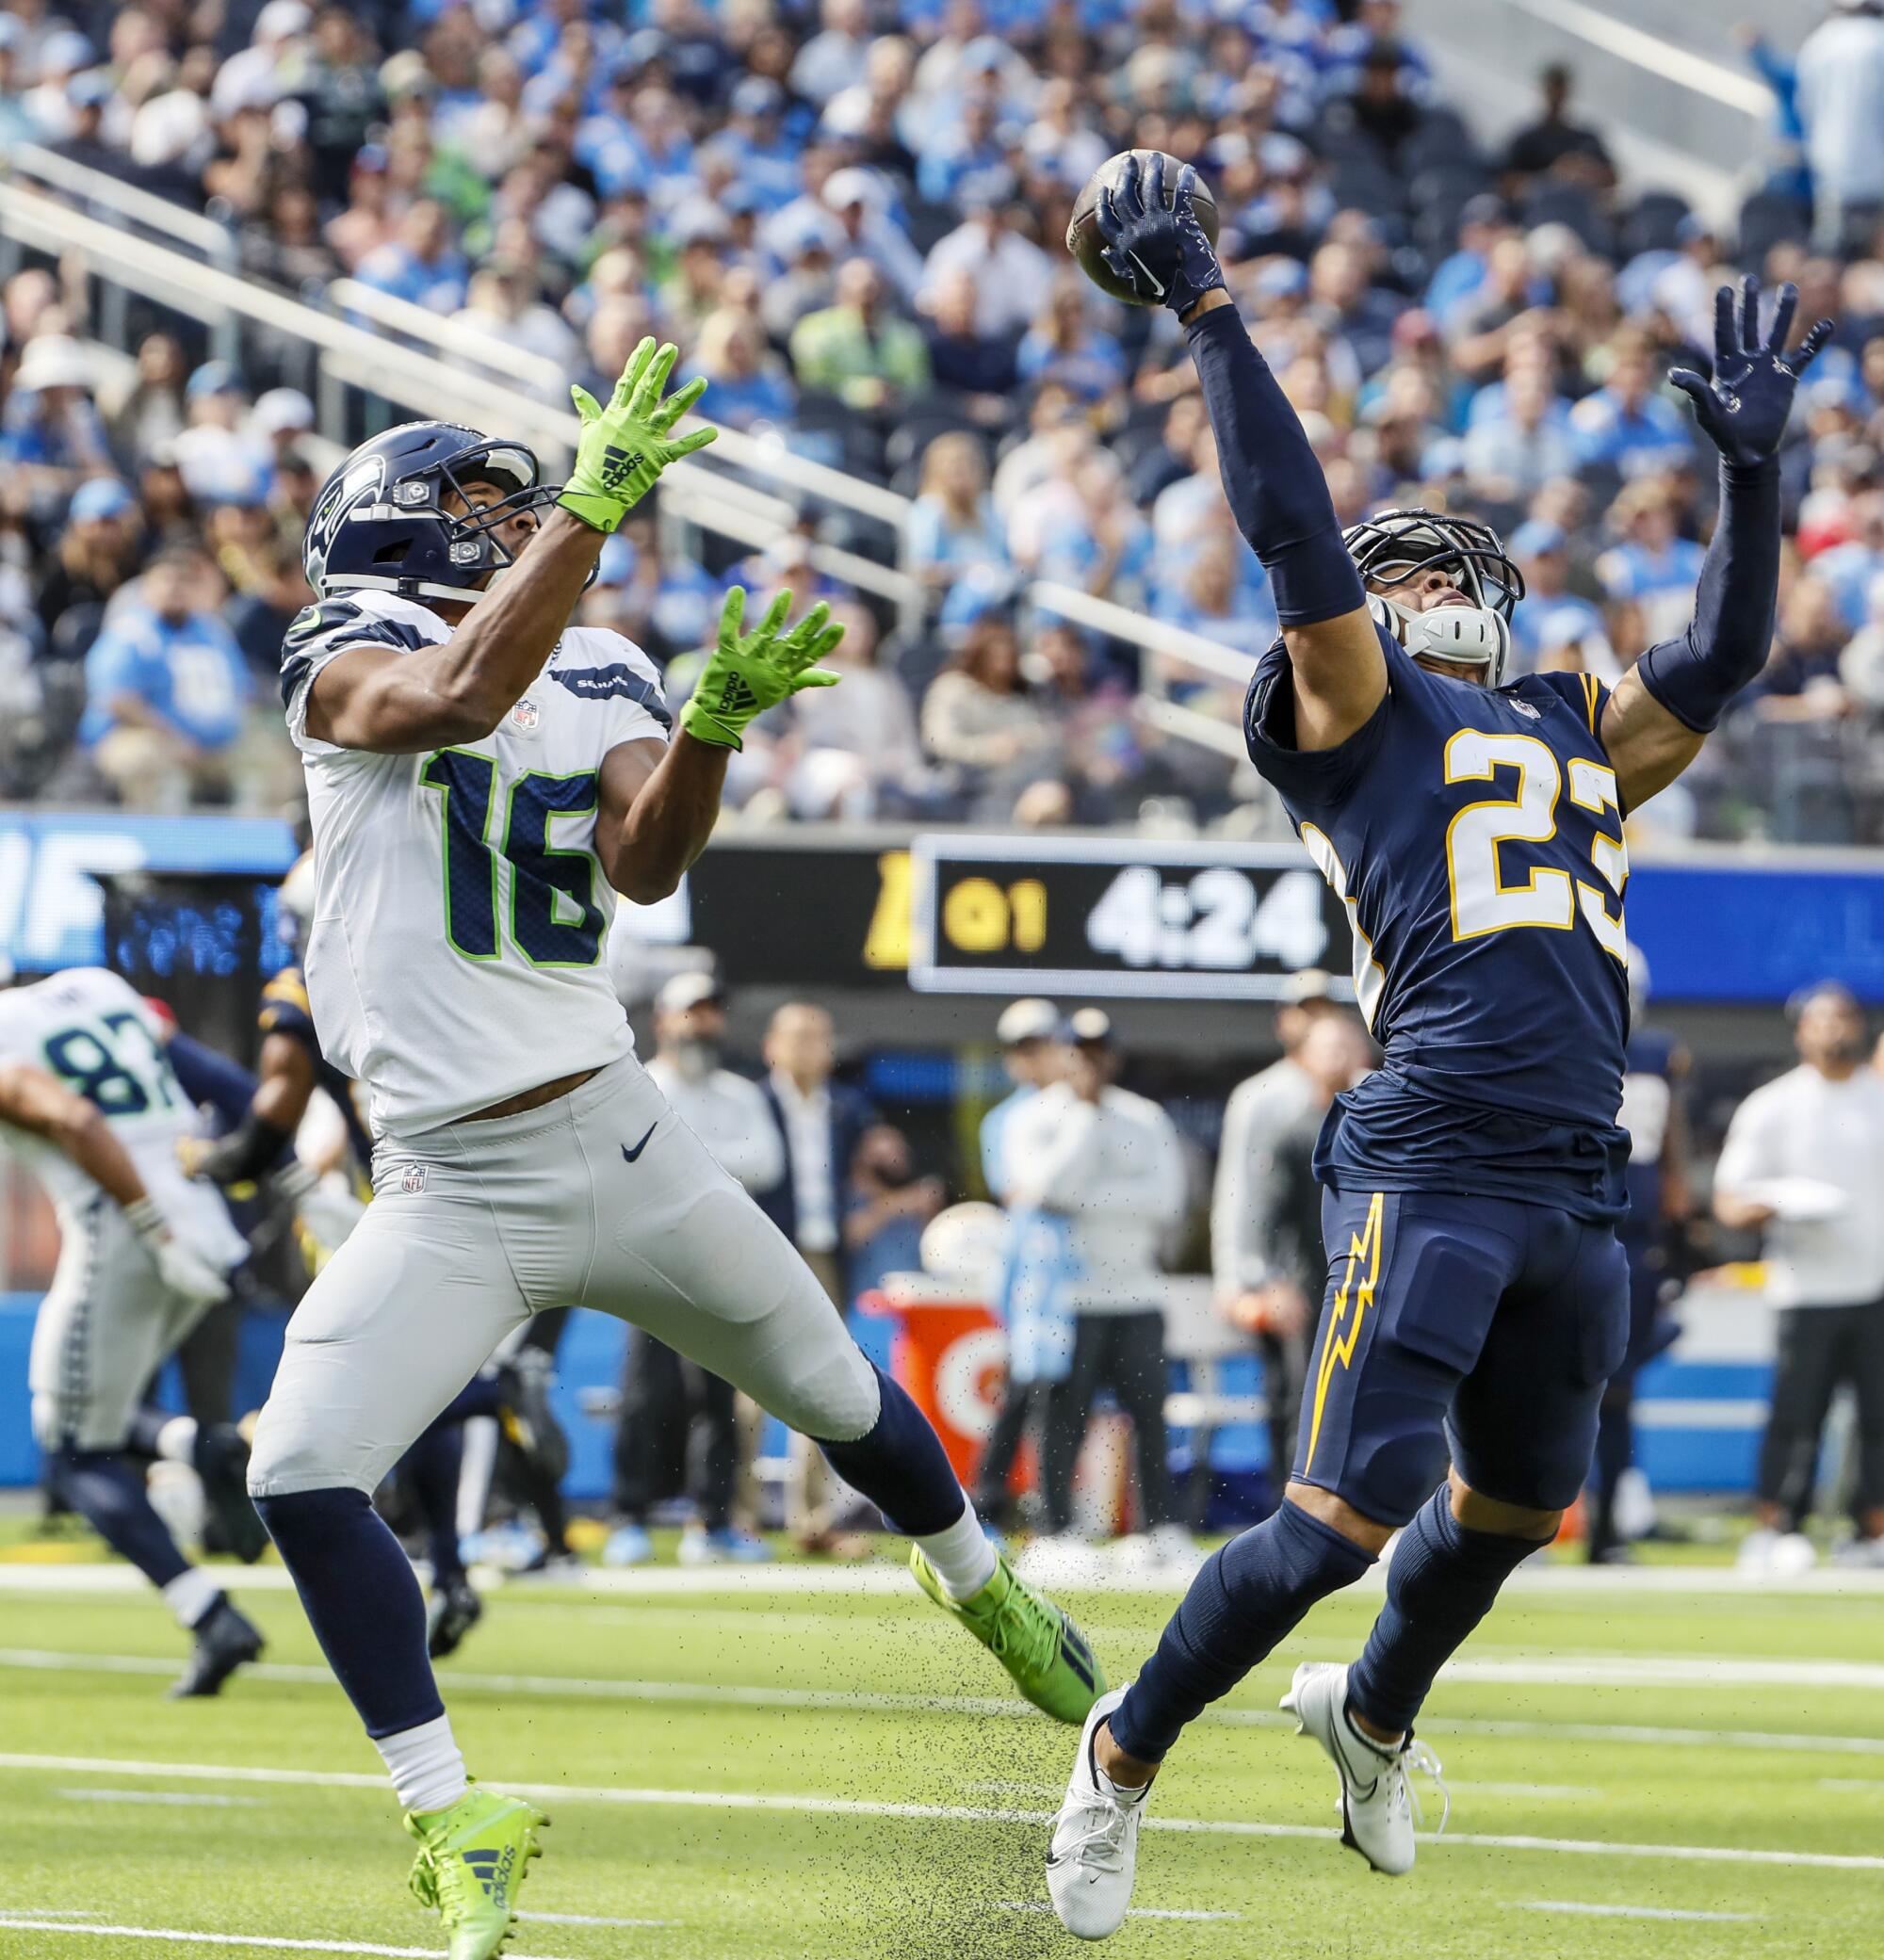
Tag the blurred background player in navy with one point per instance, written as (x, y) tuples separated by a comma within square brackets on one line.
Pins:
[(1659, 1200)]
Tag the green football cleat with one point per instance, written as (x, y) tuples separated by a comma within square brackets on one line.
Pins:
[(471, 1860), (1048, 1655)]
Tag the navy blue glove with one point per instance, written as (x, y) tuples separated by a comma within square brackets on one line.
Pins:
[(1158, 249), (1744, 408)]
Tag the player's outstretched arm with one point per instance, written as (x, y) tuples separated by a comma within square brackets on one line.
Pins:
[(38, 1102), (1271, 475), (394, 702), (264, 1137), (1674, 696), (659, 801)]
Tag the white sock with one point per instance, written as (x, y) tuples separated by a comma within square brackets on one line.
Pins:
[(962, 1556), (176, 1440), (427, 1770), (191, 1596)]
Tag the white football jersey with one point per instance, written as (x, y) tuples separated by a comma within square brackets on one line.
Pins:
[(92, 1029), (455, 956)]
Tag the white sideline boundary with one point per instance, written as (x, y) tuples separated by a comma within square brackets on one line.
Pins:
[(804, 1805), (860, 1581)]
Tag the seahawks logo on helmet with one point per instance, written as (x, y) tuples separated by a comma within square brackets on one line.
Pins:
[(1396, 545), (381, 521)]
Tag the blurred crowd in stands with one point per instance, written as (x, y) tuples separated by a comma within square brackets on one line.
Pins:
[(849, 216)]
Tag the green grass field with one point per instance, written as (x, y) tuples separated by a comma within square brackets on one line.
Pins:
[(747, 1774)]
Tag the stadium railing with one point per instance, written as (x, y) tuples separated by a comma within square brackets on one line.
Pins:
[(363, 347)]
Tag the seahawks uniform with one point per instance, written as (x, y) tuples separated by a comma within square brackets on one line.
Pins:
[(454, 960), (108, 1320), (1476, 1293)]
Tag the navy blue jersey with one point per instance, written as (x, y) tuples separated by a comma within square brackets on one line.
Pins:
[(286, 1011), (1476, 837)]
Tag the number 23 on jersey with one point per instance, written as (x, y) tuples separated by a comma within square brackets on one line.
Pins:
[(1486, 897)]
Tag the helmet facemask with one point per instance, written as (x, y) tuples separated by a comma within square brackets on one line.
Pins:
[(473, 538), (1399, 545)]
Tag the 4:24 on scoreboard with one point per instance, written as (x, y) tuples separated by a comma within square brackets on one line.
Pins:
[(1118, 915)]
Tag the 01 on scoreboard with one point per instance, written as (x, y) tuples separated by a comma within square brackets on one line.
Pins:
[(1107, 915)]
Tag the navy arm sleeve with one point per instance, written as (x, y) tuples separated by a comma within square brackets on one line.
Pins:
[(207, 1077), (1728, 641), (1271, 476)]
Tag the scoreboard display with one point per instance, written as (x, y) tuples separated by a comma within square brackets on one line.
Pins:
[(1114, 917)]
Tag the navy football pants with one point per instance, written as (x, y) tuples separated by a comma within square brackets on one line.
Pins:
[(1475, 1329)]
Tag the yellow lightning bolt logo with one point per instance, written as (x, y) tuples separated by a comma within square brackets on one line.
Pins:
[(1336, 1345)]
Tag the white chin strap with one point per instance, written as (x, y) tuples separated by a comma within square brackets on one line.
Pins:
[(1474, 636)]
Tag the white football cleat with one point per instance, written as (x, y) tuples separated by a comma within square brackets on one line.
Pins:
[(1093, 1850), (1377, 1807)]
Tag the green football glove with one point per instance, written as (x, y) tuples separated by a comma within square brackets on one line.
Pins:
[(748, 673), (625, 446)]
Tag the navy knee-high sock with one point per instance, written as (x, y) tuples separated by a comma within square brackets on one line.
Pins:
[(363, 1602), (1439, 1586), (1248, 1596), (430, 1467), (110, 1494), (901, 1467)]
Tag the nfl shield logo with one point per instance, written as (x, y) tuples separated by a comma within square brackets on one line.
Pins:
[(412, 1179), (526, 714)]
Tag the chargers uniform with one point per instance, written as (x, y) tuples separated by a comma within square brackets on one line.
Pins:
[(107, 1321), (454, 960), (287, 1010), (1477, 1295)]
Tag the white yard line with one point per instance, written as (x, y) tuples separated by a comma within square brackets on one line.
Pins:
[(1534, 1670), (177, 1936), (871, 1702), (1136, 1912), (182, 1798), (583, 1918), (1626, 1912), (799, 1805)]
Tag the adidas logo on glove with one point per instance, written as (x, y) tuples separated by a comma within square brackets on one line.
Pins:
[(618, 465)]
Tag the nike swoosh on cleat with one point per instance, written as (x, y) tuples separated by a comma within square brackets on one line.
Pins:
[(632, 1155)]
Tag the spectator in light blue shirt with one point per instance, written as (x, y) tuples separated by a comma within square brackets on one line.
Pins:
[(1653, 561), (952, 524), (1064, 346), (1552, 616), (167, 688), (421, 264), (1626, 424)]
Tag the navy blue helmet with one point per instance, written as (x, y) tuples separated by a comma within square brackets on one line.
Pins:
[(379, 524)]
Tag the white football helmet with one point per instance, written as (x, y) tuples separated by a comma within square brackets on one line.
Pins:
[(1398, 544)]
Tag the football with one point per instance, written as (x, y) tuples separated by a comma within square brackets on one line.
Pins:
[(1084, 238)]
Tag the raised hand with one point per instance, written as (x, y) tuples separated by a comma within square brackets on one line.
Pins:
[(748, 673), (625, 446), (1158, 249), (1745, 405)]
